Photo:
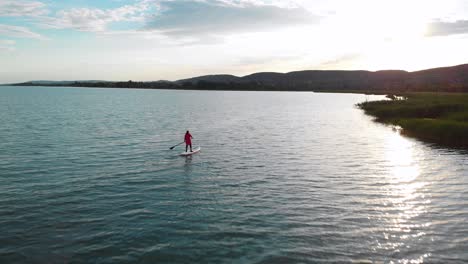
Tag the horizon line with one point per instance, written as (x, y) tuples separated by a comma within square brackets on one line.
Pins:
[(220, 74)]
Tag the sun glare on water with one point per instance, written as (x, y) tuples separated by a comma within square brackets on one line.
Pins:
[(405, 199), (400, 157)]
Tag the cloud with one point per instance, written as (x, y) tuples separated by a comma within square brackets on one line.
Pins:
[(7, 45), (96, 20), (262, 60), (340, 61), (7, 42), (441, 28), (17, 31), (189, 18), (22, 8)]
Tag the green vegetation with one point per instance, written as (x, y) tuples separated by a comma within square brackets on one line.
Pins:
[(434, 117)]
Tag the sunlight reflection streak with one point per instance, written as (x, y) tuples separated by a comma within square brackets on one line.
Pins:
[(404, 200)]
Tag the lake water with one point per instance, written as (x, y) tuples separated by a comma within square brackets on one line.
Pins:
[(86, 176)]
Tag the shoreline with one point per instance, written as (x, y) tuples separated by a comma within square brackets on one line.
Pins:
[(366, 92), (440, 118)]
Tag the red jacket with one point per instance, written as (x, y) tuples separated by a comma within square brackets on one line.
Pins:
[(188, 139)]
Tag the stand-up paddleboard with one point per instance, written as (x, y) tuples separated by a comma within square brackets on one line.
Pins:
[(188, 153)]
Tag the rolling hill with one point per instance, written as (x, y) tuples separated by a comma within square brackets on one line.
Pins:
[(446, 79)]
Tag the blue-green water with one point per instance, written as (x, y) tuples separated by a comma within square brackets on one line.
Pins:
[(86, 176)]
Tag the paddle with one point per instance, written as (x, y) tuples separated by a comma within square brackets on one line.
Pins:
[(176, 145)]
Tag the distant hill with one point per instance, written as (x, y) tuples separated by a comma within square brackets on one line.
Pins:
[(221, 78), (446, 79)]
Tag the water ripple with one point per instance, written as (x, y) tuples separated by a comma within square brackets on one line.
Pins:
[(86, 175)]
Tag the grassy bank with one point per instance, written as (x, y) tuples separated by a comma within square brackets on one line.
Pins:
[(434, 117)]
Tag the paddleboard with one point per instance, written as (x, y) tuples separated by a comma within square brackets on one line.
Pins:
[(188, 153)]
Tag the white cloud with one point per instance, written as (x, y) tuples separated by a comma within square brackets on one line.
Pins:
[(186, 22), (96, 20), (441, 28), (7, 42), (22, 8), (17, 31), (246, 3), (201, 18), (7, 45), (341, 61)]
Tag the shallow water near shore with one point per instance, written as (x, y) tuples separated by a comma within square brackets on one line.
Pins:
[(86, 175)]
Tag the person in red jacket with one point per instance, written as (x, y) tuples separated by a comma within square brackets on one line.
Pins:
[(188, 141)]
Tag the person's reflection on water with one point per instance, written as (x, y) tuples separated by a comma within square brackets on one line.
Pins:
[(188, 165)]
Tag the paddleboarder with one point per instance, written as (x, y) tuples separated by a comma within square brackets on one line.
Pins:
[(188, 141)]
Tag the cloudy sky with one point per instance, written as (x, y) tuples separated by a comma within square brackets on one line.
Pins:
[(173, 39)]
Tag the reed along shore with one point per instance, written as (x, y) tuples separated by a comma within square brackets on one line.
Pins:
[(440, 118)]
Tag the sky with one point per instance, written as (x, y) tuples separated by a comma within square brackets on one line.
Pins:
[(147, 40)]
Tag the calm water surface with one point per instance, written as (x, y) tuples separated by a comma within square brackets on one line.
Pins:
[(86, 176)]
